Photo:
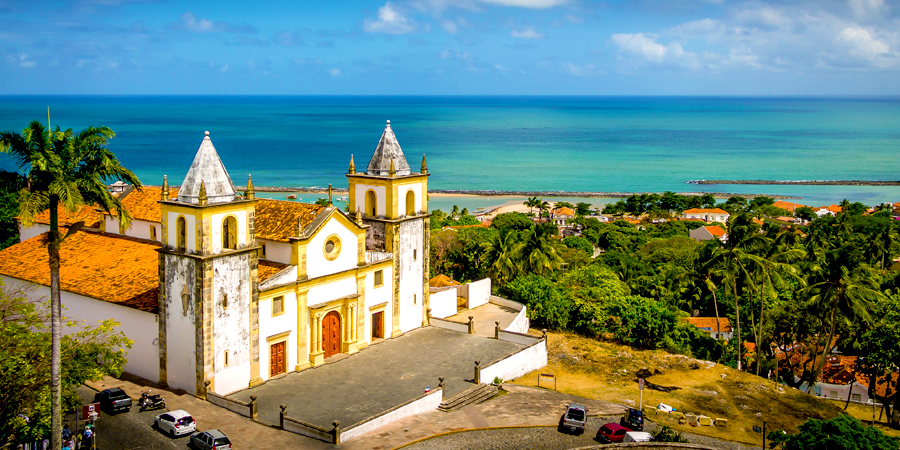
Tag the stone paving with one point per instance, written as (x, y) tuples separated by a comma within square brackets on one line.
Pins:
[(377, 378), (485, 317)]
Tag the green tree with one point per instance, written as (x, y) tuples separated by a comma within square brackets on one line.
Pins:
[(88, 353), (536, 251), (806, 213), (666, 434), (515, 221), (547, 305), (499, 259), (532, 203), (61, 169), (840, 433), (322, 201), (563, 205), (579, 243), (882, 354), (582, 209)]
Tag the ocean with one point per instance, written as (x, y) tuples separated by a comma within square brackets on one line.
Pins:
[(609, 144)]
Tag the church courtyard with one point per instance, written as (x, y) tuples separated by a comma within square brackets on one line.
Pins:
[(377, 378)]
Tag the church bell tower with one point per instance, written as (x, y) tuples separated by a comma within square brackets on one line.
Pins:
[(393, 201), (208, 282)]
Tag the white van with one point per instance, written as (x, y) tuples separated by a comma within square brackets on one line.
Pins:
[(637, 436)]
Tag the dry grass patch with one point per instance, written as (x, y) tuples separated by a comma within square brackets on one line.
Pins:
[(605, 371)]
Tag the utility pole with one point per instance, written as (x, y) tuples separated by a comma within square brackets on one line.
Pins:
[(764, 435)]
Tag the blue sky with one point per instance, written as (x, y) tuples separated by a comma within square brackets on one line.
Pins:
[(451, 47)]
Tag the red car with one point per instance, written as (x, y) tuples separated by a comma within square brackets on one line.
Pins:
[(611, 432)]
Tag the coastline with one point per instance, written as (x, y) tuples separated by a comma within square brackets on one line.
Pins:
[(800, 182)]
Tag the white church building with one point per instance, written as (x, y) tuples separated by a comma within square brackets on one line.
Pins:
[(222, 288)]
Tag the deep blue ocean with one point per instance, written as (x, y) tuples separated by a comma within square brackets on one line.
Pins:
[(621, 144)]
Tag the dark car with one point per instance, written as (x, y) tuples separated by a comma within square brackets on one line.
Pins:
[(210, 440), (611, 432), (633, 420), (114, 399)]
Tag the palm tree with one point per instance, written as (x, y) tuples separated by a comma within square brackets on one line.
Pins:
[(499, 257), (536, 252), (543, 206), (846, 286), (531, 203), (61, 169)]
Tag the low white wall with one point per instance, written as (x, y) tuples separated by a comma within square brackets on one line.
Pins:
[(479, 292), (425, 403), (306, 429), (518, 338), (514, 366), (232, 405), (442, 302), (32, 231), (446, 324), (521, 323)]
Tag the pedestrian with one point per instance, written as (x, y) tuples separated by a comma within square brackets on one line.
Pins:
[(66, 433), (67, 445)]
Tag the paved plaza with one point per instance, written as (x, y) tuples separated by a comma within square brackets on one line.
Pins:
[(485, 317), (377, 378)]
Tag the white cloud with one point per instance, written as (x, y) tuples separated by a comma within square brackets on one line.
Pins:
[(194, 24), (527, 33), (863, 8), (863, 45), (21, 60), (449, 26), (389, 21), (335, 72), (765, 17), (645, 47), (533, 4)]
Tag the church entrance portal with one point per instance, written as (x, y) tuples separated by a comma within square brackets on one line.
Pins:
[(276, 359), (331, 334), (378, 325)]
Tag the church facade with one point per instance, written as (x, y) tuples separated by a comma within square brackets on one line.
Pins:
[(241, 289)]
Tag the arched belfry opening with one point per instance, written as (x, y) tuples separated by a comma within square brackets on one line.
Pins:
[(229, 233), (371, 203), (180, 234), (410, 203)]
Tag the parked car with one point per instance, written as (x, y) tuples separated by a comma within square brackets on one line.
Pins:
[(175, 423), (611, 432), (637, 436), (633, 420), (574, 418), (114, 399), (210, 440)]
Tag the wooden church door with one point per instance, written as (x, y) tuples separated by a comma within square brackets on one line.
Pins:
[(331, 331), (276, 359)]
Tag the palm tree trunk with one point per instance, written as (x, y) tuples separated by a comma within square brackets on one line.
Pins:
[(737, 319), (825, 351), (850, 392), (716, 308), (55, 327), (759, 334)]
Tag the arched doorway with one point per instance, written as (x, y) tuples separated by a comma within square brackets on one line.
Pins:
[(331, 334)]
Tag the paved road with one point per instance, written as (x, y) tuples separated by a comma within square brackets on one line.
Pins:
[(543, 438), (129, 430)]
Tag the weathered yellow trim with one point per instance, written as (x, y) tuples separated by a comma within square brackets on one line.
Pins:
[(336, 251), (272, 306), (280, 337)]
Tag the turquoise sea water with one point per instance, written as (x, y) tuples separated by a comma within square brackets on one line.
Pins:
[(622, 144)]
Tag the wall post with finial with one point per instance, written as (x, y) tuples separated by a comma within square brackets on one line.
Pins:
[(358, 217), (164, 192), (424, 165), (249, 194), (392, 171), (329, 195), (201, 197)]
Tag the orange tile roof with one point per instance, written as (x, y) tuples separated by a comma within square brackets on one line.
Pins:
[(705, 210), (710, 322), (833, 208), (87, 214), (144, 204), (442, 281), (787, 205), (564, 211), (112, 268), (267, 269), (276, 220), (716, 231)]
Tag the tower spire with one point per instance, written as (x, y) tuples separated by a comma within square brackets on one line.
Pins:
[(164, 193), (392, 171), (352, 169), (249, 194), (329, 195), (424, 166), (201, 197)]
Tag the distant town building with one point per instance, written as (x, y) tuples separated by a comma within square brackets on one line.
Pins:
[(561, 215), (708, 232), (708, 324), (831, 210), (787, 206), (707, 214)]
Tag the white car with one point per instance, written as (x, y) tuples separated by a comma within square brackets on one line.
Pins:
[(175, 423)]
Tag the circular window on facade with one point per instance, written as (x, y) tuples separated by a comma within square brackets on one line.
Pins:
[(332, 247)]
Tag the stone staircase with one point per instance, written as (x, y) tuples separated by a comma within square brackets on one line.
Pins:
[(471, 396)]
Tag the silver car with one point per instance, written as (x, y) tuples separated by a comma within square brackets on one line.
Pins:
[(175, 423), (210, 440)]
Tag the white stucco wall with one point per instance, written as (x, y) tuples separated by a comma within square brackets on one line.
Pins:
[(518, 364), (442, 302), (139, 228), (190, 241), (374, 298), (216, 223), (417, 191), (270, 325), (338, 288), (231, 324), (520, 323), (317, 265), (32, 231), (140, 326), (181, 362), (380, 198), (412, 286), (479, 292), (276, 251), (421, 405)]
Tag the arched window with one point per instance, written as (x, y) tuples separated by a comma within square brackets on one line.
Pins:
[(370, 203), (180, 234), (410, 203), (229, 233)]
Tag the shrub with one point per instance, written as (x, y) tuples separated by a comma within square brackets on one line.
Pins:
[(839, 433), (579, 243), (547, 304)]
